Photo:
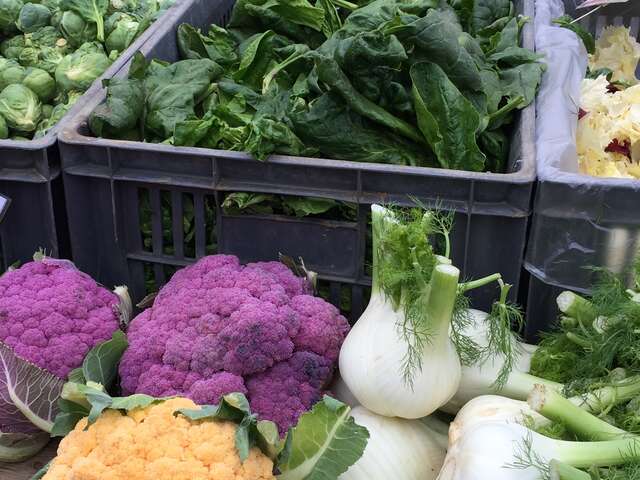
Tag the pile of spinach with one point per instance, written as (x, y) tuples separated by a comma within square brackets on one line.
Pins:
[(406, 82), (51, 51)]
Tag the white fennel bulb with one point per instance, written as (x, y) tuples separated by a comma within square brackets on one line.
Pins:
[(492, 408), (497, 446), (398, 359), (397, 448), (480, 378)]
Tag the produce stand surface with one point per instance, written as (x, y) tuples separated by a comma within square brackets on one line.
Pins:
[(25, 470), (30, 175), (111, 176)]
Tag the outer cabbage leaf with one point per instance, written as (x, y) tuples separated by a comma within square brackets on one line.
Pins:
[(324, 444), (28, 394)]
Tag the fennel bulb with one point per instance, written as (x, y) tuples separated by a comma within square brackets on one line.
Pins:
[(397, 448), (480, 378), (487, 440), (398, 359)]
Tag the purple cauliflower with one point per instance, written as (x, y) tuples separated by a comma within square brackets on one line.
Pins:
[(219, 327), (52, 314)]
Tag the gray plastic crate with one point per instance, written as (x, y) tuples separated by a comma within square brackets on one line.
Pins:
[(101, 175), (30, 175), (576, 224)]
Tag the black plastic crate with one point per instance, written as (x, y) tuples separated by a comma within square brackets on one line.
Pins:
[(491, 209), (30, 175), (576, 224)]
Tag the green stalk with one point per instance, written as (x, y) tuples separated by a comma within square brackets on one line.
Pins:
[(442, 298), (520, 384), (378, 215), (557, 408), (573, 305), (481, 282), (344, 4), (578, 340), (562, 471), (599, 454), (605, 397)]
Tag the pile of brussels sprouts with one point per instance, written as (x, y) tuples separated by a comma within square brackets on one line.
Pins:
[(51, 51)]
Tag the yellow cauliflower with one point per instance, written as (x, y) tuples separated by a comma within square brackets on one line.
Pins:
[(153, 444)]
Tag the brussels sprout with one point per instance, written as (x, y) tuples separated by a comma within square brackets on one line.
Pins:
[(49, 59), (9, 11), (41, 83), (32, 17), (56, 115), (44, 37), (47, 110), (29, 56), (76, 30), (12, 47), (4, 129), (56, 18), (20, 108), (121, 30), (11, 73), (78, 70)]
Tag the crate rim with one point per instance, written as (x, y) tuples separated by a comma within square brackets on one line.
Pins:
[(71, 133)]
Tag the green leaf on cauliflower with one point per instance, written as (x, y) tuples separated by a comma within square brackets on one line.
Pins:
[(101, 363), (324, 444)]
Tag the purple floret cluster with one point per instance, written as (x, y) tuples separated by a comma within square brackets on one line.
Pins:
[(219, 327), (52, 314)]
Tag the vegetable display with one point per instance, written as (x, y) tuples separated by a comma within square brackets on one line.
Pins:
[(52, 315), (606, 138), (52, 51), (142, 437), (371, 82), (220, 327)]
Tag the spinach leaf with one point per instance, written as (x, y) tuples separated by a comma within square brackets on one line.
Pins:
[(257, 56), (330, 73), (447, 119), (267, 136), (173, 91), (522, 80), (485, 12), (435, 38), (340, 133), (218, 46), (122, 110), (332, 21), (91, 10)]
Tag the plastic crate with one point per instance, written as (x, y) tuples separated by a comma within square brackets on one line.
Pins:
[(101, 175), (577, 225), (30, 175)]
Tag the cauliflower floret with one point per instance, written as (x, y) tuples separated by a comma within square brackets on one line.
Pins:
[(219, 327), (154, 444)]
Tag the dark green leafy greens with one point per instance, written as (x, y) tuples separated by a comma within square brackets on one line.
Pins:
[(56, 49), (419, 83)]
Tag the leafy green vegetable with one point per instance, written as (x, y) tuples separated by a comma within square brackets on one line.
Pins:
[(92, 11), (9, 11), (447, 119), (20, 108), (324, 444), (122, 110), (334, 80), (32, 17), (76, 29)]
